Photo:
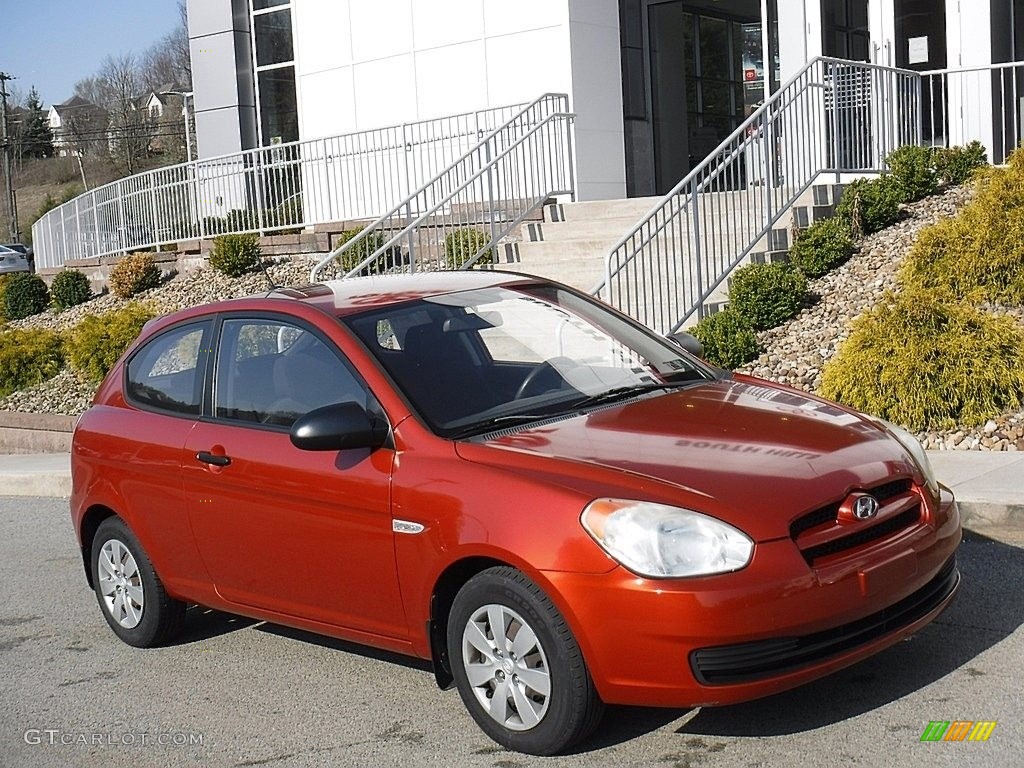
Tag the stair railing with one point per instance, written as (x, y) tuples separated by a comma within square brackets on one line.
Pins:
[(458, 218), (832, 117)]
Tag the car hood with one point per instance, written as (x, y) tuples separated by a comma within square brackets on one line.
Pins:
[(754, 454)]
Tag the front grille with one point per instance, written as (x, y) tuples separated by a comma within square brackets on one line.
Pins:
[(744, 662), (882, 494), (864, 536)]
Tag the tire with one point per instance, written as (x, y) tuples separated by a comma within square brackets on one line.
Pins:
[(131, 596), (563, 709)]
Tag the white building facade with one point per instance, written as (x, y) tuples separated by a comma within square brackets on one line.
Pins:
[(655, 84)]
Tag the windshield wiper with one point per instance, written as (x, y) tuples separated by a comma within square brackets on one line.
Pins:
[(498, 422), (624, 393)]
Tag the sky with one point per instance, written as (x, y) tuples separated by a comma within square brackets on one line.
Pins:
[(54, 43)]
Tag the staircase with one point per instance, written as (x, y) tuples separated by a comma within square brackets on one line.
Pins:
[(572, 241)]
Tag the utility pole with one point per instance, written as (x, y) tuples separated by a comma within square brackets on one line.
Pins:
[(5, 145)]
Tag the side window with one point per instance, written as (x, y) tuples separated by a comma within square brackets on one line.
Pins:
[(166, 373), (272, 372)]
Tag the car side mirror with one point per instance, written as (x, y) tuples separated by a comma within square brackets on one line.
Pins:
[(688, 342), (337, 427)]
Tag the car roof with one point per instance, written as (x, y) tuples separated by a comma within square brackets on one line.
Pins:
[(6, 249), (356, 294)]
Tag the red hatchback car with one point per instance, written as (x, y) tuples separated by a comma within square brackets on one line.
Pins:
[(555, 505)]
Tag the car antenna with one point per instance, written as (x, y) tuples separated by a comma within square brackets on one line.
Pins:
[(271, 285)]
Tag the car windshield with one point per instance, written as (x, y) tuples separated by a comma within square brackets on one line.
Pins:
[(479, 360)]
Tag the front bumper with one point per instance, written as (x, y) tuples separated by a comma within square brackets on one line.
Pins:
[(774, 625)]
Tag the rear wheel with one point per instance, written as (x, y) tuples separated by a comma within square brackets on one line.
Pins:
[(518, 667), (131, 595)]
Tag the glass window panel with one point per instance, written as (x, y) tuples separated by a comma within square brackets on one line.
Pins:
[(279, 112), (273, 372), (273, 38), (259, 5), (714, 48)]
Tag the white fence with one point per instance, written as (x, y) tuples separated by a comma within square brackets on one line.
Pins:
[(336, 179)]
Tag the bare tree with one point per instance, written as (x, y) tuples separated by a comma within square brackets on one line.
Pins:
[(131, 128), (167, 62)]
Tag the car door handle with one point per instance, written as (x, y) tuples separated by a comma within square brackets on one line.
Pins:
[(212, 458)]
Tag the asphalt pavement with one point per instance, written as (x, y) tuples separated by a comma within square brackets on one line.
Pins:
[(234, 692)]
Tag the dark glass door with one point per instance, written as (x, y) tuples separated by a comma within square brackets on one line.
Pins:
[(844, 29)]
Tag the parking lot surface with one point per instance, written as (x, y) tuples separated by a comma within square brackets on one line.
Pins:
[(233, 692)]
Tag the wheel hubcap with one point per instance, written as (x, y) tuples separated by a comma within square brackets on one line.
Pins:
[(120, 584), (506, 667)]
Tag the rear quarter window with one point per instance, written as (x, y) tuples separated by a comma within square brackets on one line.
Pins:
[(167, 372)]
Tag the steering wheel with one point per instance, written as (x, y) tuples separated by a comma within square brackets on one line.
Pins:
[(545, 367)]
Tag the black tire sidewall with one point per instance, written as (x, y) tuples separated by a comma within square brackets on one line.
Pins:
[(562, 722), (145, 632)]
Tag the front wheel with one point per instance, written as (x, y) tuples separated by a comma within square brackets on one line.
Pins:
[(131, 595), (518, 667)]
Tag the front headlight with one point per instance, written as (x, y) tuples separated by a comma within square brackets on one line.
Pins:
[(915, 449), (660, 541)]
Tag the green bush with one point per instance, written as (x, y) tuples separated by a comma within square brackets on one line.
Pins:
[(240, 219), (95, 344), (870, 205), (822, 247), (728, 338), (925, 360), (977, 254), (234, 255), (26, 294), (913, 172), (358, 253), (28, 357), (69, 289), (767, 294), (460, 245), (956, 165), (135, 273)]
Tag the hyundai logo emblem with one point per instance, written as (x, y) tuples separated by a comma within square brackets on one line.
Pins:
[(865, 507)]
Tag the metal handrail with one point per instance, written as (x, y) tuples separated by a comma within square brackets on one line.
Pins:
[(544, 149), (674, 258), (268, 189), (833, 117)]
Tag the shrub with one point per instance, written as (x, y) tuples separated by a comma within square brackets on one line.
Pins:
[(26, 294), (69, 289), (767, 294), (956, 165), (913, 172), (240, 219), (870, 205), (135, 273), (977, 253), (460, 245), (234, 255), (728, 338), (359, 252), (925, 360), (95, 344), (28, 357), (822, 247), (4, 280)]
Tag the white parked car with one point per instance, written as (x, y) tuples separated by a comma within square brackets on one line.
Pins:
[(12, 261)]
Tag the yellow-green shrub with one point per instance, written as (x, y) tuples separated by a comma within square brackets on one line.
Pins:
[(358, 253), (135, 273), (460, 245), (28, 357), (925, 360), (95, 344), (234, 255), (980, 252)]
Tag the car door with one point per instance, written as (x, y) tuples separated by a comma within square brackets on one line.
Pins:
[(301, 533)]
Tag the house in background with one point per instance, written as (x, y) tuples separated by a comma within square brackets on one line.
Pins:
[(656, 84), (164, 107), (78, 127)]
